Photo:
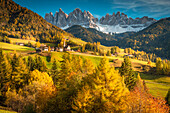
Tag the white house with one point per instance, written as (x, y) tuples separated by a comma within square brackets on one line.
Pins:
[(61, 49), (67, 48), (46, 49)]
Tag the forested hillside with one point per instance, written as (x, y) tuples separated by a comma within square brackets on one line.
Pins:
[(91, 35), (19, 22), (154, 39)]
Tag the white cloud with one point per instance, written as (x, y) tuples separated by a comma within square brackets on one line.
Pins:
[(154, 7)]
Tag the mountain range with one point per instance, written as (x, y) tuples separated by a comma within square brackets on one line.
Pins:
[(118, 22), (92, 35)]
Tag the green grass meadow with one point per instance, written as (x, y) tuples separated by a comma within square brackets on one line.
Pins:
[(158, 84), (11, 47)]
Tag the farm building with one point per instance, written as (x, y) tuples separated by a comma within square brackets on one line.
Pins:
[(46, 49), (21, 44)]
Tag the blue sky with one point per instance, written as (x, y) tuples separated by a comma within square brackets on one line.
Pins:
[(133, 8)]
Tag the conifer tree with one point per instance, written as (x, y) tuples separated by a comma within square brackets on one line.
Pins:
[(30, 63), (40, 64), (55, 71), (165, 68), (100, 52), (159, 65), (19, 74), (83, 48), (5, 73), (98, 44), (14, 61), (108, 53), (88, 67), (126, 71)]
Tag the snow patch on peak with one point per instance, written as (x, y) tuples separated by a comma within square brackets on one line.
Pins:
[(118, 28)]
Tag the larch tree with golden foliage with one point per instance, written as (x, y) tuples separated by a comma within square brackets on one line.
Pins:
[(105, 92), (34, 96)]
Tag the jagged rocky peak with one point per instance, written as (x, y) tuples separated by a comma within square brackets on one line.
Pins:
[(51, 13), (122, 19), (59, 18), (60, 10), (77, 11), (77, 17), (118, 14), (49, 17), (117, 22)]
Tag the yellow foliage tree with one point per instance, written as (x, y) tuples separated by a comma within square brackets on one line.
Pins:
[(35, 96), (41, 77), (107, 91), (37, 45)]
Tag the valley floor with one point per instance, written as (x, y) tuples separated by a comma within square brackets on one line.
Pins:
[(158, 85)]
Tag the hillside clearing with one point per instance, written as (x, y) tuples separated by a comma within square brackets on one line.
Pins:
[(11, 47)]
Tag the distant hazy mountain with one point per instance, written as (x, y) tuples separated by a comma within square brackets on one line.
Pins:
[(154, 39), (118, 22)]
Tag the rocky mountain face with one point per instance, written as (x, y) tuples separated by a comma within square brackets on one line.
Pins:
[(122, 19), (77, 17), (118, 22)]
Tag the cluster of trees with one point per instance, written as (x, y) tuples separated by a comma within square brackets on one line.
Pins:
[(141, 55), (162, 66), (115, 49), (92, 47), (95, 47), (74, 85), (5, 39), (15, 70)]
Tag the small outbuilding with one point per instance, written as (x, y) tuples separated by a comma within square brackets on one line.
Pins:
[(45, 48)]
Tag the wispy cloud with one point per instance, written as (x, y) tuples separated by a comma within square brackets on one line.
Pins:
[(154, 8), (97, 16)]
